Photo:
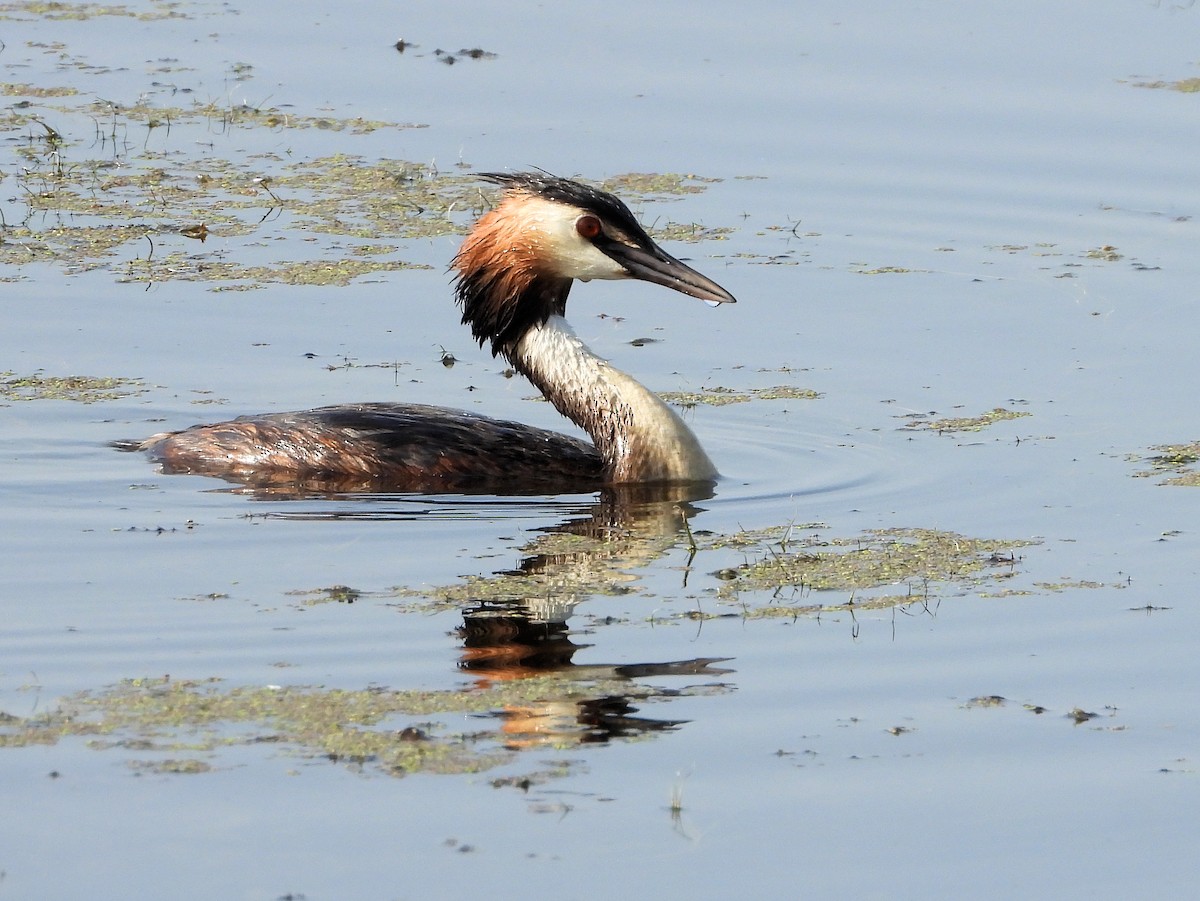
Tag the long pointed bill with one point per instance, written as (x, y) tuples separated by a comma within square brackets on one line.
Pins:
[(661, 268)]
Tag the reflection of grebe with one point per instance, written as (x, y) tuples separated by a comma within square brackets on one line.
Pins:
[(514, 273)]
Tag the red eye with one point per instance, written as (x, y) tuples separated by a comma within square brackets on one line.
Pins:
[(588, 227)]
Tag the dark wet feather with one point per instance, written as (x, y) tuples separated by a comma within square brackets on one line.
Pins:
[(396, 447)]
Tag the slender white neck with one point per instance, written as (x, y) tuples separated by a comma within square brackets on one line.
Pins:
[(640, 438)]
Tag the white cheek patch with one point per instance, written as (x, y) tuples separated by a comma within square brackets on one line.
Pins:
[(587, 263), (567, 253)]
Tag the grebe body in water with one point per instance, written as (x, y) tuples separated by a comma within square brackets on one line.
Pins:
[(514, 271)]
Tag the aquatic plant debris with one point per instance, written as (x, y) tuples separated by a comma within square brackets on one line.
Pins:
[(51, 9), (816, 572), (924, 562), (718, 396), (571, 567), (962, 423), (1107, 253), (119, 187), (20, 89), (1180, 459), (122, 187), (887, 270), (154, 216), (181, 726), (83, 389), (656, 185), (1183, 85)]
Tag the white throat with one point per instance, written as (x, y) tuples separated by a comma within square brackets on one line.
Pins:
[(640, 438)]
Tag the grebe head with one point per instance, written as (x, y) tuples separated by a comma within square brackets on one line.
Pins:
[(516, 266)]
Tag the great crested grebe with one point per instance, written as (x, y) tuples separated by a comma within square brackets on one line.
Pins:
[(514, 271)]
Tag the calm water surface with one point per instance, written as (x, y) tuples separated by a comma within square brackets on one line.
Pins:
[(933, 211)]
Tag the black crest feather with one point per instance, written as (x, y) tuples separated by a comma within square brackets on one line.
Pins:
[(564, 190)]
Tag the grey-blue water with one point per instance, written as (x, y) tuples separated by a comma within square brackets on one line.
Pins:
[(935, 209)]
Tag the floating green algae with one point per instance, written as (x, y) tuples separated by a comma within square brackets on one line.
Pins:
[(25, 9), (885, 270), (963, 423), (784, 561), (1183, 85), (569, 565), (92, 211), (20, 89), (1177, 461), (922, 561), (138, 188), (181, 726), (80, 388), (719, 396), (1107, 253), (180, 267), (656, 184)]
